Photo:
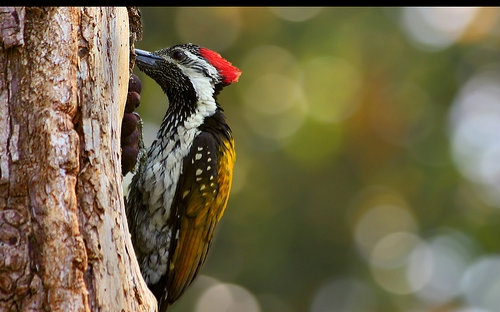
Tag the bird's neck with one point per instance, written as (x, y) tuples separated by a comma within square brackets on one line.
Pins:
[(186, 115)]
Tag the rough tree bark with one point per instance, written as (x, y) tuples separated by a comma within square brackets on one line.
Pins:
[(64, 242)]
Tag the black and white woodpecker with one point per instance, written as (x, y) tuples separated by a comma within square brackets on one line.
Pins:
[(181, 187)]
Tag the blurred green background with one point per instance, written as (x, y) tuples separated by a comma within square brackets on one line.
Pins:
[(368, 157)]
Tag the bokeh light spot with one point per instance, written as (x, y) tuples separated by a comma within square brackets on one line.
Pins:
[(438, 27), (481, 283), (475, 128), (228, 298), (483, 24), (390, 259), (274, 102), (379, 221), (393, 250), (420, 267), (274, 106), (449, 256), (269, 59), (332, 86), (263, 100)]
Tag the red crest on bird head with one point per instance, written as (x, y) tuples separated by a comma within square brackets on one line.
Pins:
[(229, 72)]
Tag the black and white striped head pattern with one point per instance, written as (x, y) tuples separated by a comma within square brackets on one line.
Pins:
[(188, 72)]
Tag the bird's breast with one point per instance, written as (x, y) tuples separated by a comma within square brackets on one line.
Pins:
[(163, 169)]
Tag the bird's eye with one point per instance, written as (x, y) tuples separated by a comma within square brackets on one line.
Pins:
[(178, 55)]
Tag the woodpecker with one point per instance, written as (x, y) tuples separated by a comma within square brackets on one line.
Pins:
[(181, 187)]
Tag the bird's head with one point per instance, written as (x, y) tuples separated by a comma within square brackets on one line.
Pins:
[(187, 70)]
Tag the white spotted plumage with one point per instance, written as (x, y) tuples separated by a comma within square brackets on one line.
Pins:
[(182, 183), (158, 197)]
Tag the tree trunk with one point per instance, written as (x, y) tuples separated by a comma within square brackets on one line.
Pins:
[(64, 240)]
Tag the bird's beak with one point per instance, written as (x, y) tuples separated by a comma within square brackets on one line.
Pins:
[(146, 58)]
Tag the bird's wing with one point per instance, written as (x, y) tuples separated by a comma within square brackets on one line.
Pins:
[(200, 200)]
